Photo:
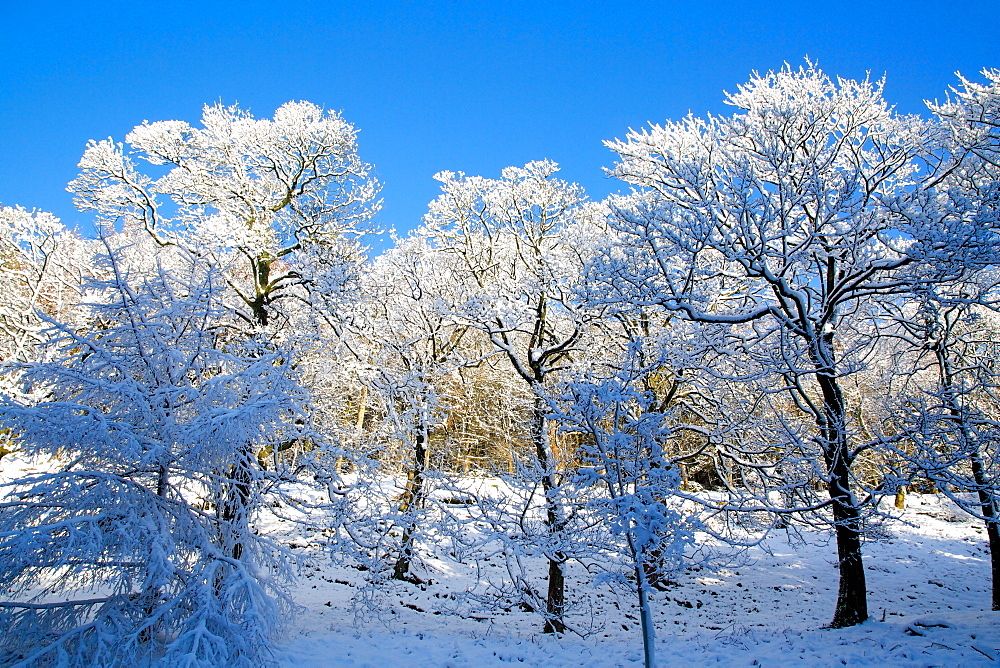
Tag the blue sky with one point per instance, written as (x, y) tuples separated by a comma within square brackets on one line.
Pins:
[(463, 86)]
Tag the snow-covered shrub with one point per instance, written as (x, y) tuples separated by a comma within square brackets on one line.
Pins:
[(137, 545)]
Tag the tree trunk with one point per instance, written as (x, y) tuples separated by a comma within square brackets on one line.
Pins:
[(555, 603), (852, 597), (413, 497), (642, 585), (989, 508), (234, 507), (152, 594), (258, 305)]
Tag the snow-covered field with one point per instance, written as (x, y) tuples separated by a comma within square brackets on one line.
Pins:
[(928, 580)]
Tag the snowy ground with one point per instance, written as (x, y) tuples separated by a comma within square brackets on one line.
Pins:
[(929, 595), (928, 579)]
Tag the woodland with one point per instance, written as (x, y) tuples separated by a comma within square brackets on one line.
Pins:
[(786, 321)]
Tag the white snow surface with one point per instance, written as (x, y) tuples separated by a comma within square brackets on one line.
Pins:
[(929, 599)]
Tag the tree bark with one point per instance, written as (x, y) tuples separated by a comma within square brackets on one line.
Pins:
[(555, 602), (645, 613), (234, 506), (852, 596), (989, 508), (413, 497)]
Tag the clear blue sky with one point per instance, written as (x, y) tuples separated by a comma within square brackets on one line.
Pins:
[(463, 86)]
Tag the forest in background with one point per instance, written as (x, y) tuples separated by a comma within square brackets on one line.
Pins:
[(790, 316)]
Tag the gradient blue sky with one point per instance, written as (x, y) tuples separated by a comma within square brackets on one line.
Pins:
[(463, 86)]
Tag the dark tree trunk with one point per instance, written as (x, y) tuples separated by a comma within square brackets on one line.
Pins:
[(261, 267), (852, 597), (988, 504), (234, 507), (413, 497), (259, 311), (555, 602)]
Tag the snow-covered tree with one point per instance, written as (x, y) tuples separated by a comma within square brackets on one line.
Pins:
[(42, 266), (520, 243), (947, 395), (626, 427), (972, 118), (950, 331), (782, 220), (137, 544), (412, 342), (257, 194)]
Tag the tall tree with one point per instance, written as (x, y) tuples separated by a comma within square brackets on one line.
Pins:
[(520, 242), (784, 218), (256, 194), (413, 342), (946, 404), (955, 325)]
